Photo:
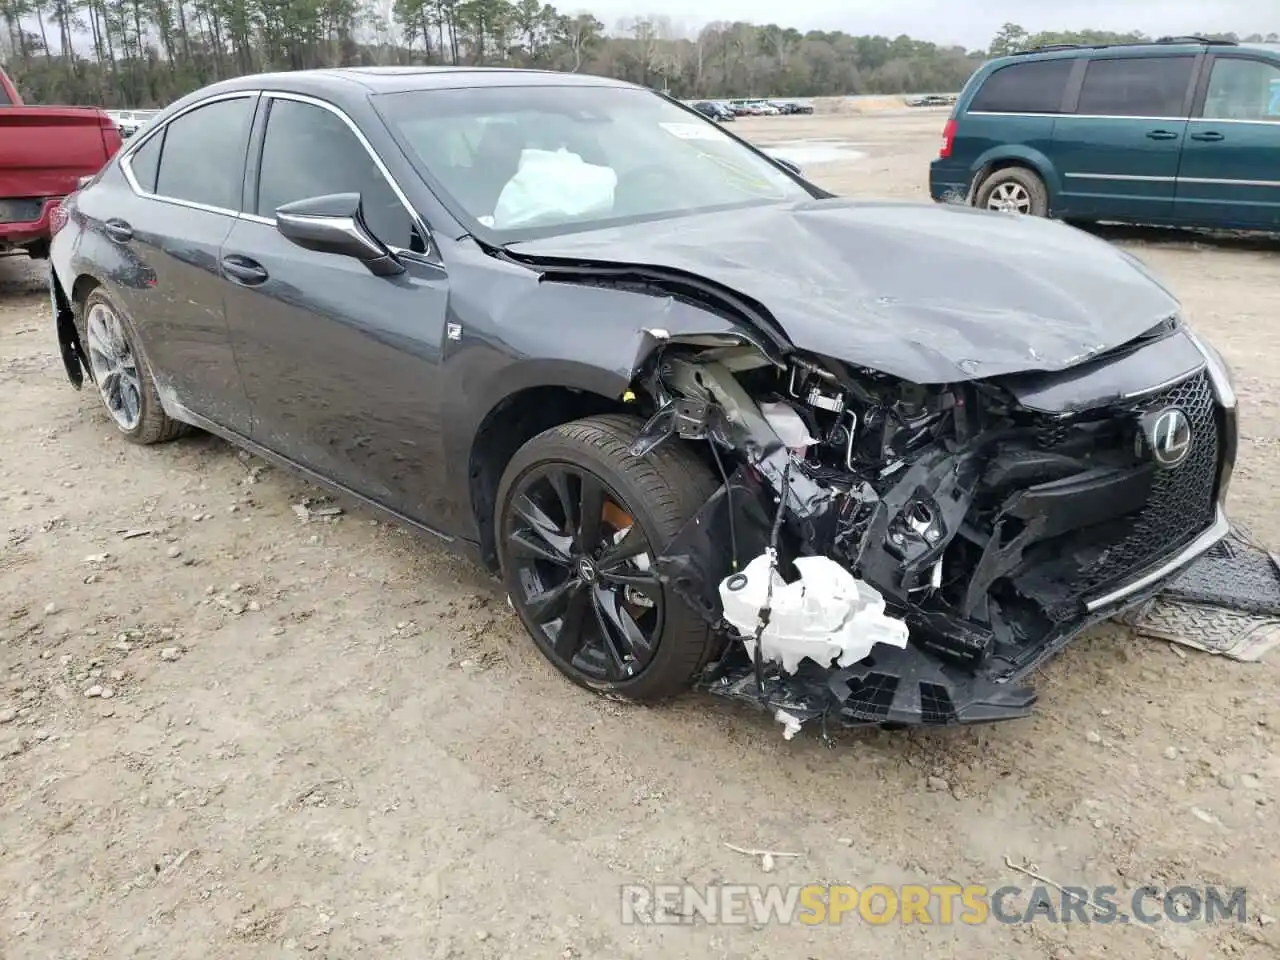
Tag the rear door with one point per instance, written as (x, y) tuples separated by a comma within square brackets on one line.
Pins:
[(1014, 108), (155, 234), (1119, 144), (1230, 173)]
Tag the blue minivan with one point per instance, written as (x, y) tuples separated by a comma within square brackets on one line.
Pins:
[(1183, 131)]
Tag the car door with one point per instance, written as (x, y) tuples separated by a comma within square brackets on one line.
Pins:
[(1230, 172), (161, 227), (340, 366), (1118, 144)]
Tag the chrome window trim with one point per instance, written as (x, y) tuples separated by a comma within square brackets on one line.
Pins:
[(126, 157), (154, 131), (414, 217)]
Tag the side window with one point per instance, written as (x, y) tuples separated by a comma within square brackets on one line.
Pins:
[(1033, 87), (310, 152), (203, 156), (145, 162), (1243, 90), (1136, 87)]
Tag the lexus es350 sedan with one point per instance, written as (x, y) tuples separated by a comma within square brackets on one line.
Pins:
[(865, 461)]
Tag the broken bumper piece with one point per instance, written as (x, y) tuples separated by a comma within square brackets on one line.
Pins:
[(892, 687), (891, 684), (897, 687)]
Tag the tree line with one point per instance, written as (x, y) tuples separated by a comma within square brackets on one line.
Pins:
[(143, 53)]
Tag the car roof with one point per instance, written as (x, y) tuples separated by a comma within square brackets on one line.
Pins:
[(378, 80), (1171, 46)]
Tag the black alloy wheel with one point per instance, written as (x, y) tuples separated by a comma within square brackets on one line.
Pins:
[(585, 582), (580, 524)]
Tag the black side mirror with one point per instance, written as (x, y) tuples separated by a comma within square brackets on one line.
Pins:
[(335, 224), (793, 167)]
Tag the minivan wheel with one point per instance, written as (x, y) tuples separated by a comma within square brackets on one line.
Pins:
[(122, 376), (580, 522), (1014, 190)]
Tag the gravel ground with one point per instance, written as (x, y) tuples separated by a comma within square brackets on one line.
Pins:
[(226, 732)]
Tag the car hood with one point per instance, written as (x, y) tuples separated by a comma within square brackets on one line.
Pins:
[(931, 294)]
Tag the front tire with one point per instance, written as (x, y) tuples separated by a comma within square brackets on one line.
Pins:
[(124, 380), (579, 525), (1014, 190)]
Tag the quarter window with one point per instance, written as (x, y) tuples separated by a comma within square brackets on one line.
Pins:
[(202, 160), (311, 152), (1136, 87), (1033, 87), (145, 162), (1243, 90)]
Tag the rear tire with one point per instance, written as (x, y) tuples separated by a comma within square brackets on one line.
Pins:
[(587, 631), (1014, 190), (121, 374)]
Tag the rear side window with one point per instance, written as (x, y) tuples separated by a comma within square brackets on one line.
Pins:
[(145, 163), (1033, 87), (203, 156), (1243, 90), (1136, 87), (4, 97)]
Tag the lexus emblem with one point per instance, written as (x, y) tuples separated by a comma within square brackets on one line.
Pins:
[(1168, 436)]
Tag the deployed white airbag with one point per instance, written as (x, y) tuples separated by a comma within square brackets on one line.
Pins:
[(827, 615), (554, 186)]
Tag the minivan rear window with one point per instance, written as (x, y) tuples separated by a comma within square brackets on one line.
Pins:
[(1136, 87), (1036, 86)]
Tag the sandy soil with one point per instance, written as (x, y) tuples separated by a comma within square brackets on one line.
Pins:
[(330, 739)]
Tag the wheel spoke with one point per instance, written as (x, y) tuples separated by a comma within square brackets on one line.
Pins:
[(570, 635), (626, 647), (130, 399), (614, 661), (526, 545), (551, 604), (559, 481), (97, 336), (640, 581), (633, 544), (590, 508), (542, 525)]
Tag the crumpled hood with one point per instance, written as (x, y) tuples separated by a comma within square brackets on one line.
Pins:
[(928, 293)]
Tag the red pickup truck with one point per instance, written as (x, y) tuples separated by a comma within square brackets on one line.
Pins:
[(44, 152)]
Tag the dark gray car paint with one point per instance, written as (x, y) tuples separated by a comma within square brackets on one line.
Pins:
[(906, 289), (925, 293)]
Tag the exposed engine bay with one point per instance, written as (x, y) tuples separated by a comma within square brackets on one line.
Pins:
[(897, 553)]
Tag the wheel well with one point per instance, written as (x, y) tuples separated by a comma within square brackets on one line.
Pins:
[(509, 426), (81, 289), (1004, 163)]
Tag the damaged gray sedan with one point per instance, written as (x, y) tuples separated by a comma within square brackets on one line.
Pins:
[(856, 461)]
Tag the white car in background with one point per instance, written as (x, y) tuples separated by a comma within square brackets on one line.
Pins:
[(131, 121)]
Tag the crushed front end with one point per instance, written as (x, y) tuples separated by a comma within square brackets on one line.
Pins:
[(891, 553)]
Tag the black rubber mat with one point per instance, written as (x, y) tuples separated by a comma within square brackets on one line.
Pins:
[(1236, 573)]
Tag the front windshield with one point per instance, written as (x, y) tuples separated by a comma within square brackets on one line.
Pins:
[(540, 160)]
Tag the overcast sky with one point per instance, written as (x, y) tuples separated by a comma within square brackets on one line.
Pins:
[(967, 22)]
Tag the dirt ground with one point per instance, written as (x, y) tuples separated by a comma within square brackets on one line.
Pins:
[(331, 739)]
